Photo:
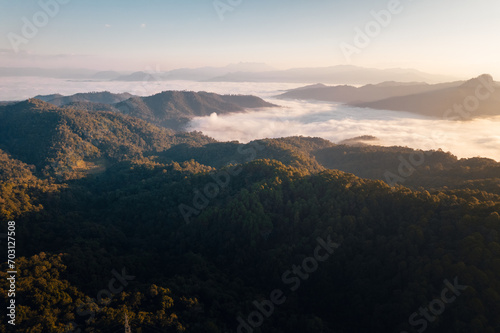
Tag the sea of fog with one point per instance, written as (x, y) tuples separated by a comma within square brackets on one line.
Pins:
[(331, 121)]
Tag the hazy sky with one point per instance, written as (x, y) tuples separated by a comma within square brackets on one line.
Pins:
[(458, 37)]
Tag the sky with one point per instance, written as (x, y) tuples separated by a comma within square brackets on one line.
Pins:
[(452, 37)]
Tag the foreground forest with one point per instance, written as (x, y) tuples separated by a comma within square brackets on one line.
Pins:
[(181, 233)]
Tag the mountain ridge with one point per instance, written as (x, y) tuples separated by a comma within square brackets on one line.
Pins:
[(474, 98), (434, 100), (171, 109), (345, 74), (104, 97), (174, 109), (256, 72)]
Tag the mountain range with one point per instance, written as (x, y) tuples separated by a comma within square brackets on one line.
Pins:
[(462, 100), (345, 74), (242, 72), (174, 109), (193, 74), (478, 97), (170, 109), (104, 97)]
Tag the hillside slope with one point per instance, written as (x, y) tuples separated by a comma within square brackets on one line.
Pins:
[(461, 100), (364, 94), (173, 109), (60, 141), (104, 97), (474, 98)]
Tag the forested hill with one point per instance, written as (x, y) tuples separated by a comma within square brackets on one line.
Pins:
[(396, 249), (170, 109), (64, 142), (104, 97), (70, 142), (432, 169), (200, 231), (174, 109)]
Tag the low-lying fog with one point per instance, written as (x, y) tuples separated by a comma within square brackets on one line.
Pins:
[(340, 122), (334, 122)]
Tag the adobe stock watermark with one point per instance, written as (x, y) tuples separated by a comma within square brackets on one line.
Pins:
[(471, 103), (221, 180), (463, 111), (425, 315), (293, 279), (224, 6), (406, 167), (103, 296), (39, 20), (372, 29)]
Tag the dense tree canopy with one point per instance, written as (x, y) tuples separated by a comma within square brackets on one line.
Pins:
[(204, 230)]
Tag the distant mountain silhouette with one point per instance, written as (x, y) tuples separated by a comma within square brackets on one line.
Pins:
[(345, 74), (444, 100), (194, 74), (173, 109), (138, 76), (95, 97), (106, 75), (474, 98), (367, 93), (206, 73), (241, 72)]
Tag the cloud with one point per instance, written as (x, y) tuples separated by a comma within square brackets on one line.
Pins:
[(143, 25), (107, 26), (339, 122)]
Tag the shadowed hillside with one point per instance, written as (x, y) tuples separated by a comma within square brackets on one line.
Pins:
[(174, 109), (474, 98), (367, 93), (453, 101), (104, 97)]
